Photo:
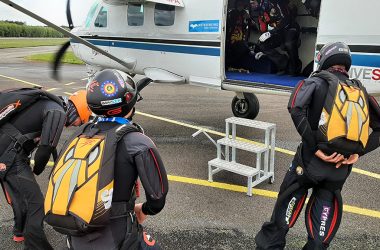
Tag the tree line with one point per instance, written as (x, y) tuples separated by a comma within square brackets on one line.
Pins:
[(20, 29)]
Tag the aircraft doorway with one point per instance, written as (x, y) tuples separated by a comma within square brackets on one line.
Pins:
[(270, 42)]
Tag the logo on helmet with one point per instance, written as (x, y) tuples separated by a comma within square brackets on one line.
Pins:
[(109, 89), (114, 111), (331, 50), (111, 102), (92, 85)]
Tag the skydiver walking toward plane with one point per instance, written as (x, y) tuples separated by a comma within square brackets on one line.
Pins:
[(332, 114)]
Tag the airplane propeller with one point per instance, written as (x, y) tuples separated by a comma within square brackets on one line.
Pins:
[(61, 52), (128, 65), (68, 15), (141, 84)]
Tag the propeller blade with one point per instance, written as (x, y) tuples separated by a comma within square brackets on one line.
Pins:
[(58, 58), (143, 83), (127, 65), (68, 15)]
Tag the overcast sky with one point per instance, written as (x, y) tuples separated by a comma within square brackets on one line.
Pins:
[(53, 10)]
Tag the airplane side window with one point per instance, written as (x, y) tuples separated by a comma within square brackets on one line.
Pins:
[(91, 14), (164, 15), (101, 19), (135, 15)]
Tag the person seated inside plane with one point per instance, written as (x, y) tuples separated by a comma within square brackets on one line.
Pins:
[(313, 7), (238, 27), (279, 30)]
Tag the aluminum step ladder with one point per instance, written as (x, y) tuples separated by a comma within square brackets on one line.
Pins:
[(263, 170)]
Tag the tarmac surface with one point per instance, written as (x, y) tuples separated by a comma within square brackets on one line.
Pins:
[(200, 215)]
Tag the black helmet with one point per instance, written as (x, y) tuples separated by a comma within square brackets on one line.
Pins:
[(331, 54), (111, 94)]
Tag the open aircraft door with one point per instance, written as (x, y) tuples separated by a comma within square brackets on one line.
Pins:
[(207, 70)]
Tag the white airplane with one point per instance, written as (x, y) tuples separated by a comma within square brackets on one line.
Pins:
[(184, 41)]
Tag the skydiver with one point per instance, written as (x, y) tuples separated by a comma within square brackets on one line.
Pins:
[(30, 119), (335, 133)]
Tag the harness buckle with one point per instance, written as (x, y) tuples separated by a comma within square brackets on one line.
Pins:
[(17, 147), (132, 216)]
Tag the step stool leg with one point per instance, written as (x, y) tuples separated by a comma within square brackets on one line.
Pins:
[(233, 138), (258, 164), (249, 191), (273, 150), (210, 173)]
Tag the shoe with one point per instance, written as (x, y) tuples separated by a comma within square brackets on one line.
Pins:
[(18, 239)]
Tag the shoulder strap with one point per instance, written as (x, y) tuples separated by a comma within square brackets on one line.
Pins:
[(125, 129), (17, 137), (327, 76), (14, 101), (355, 82)]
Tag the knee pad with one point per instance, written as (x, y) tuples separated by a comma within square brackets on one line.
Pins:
[(323, 216), (289, 205)]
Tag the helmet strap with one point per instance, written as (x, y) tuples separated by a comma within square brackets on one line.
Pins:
[(340, 70), (132, 114)]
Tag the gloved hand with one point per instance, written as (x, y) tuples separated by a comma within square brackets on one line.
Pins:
[(41, 158), (265, 36), (259, 55)]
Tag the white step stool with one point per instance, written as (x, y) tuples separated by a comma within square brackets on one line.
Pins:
[(263, 170)]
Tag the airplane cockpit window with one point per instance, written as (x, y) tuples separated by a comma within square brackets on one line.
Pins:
[(91, 14), (164, 15), (101, 19), (135, 15)]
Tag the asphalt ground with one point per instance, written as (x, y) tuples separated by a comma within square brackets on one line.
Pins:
[(200, 215)]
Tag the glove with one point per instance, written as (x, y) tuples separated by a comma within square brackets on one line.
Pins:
[(258, 55), (265, 36), (41, 158)]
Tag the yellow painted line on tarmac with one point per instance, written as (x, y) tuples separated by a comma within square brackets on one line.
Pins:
[(52, 89), (367, 173), (281, 150), (224, 186), (49, 164), (84, 79), (209, 131), (70, 83), (18, 80), (255, 191), (264, 193)]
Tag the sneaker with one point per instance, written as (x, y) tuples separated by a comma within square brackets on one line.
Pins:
[(18, 239)]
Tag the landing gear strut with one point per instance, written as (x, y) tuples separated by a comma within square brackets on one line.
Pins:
[(245, 105)]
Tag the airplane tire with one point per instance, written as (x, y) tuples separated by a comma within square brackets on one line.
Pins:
[(246, 108)]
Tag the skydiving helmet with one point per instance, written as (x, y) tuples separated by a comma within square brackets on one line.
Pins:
[(331, 54), (111, 94)]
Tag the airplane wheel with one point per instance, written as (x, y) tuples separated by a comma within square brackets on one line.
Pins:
[(246, 108)]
